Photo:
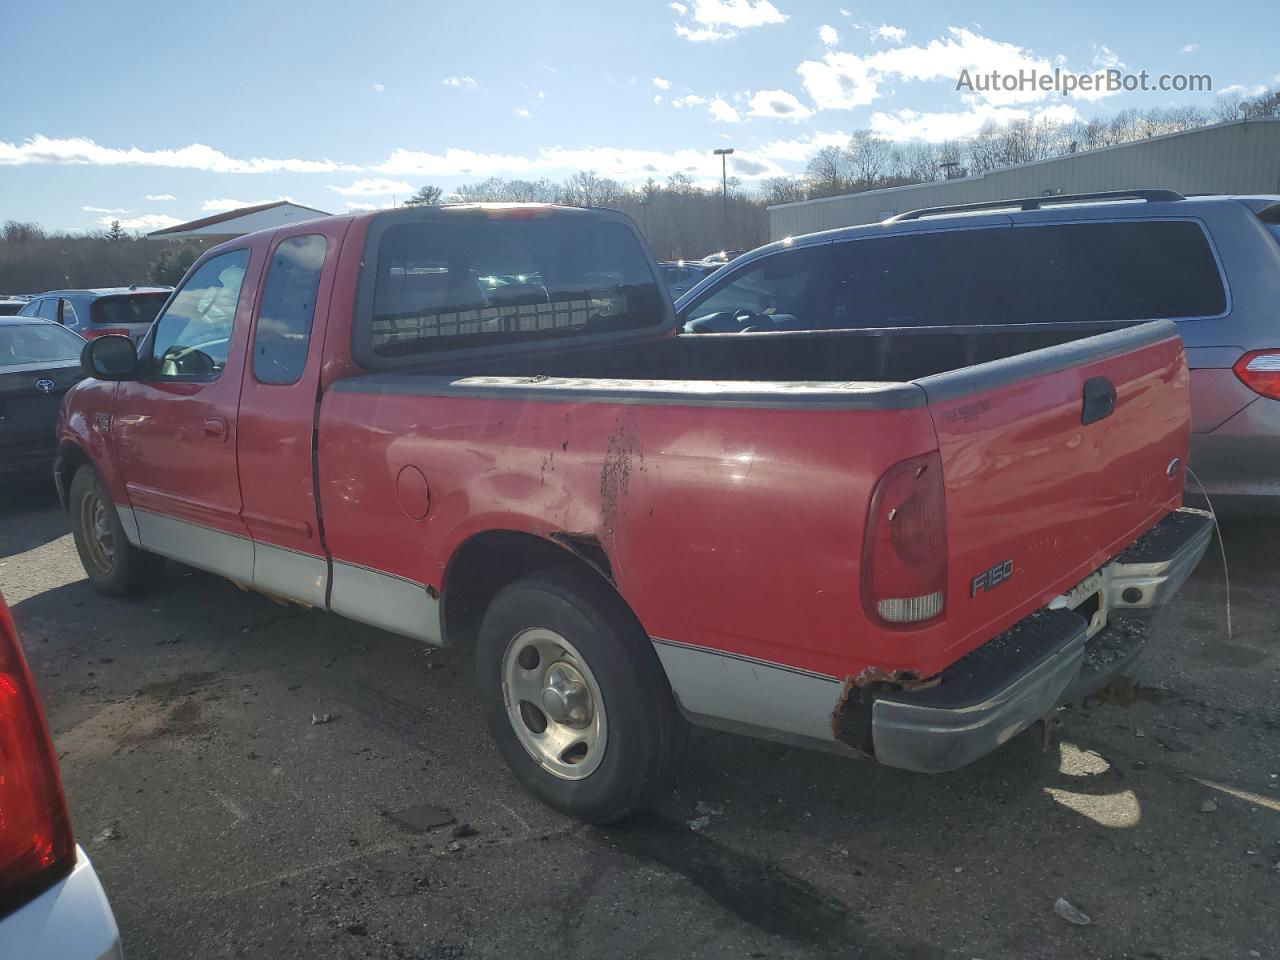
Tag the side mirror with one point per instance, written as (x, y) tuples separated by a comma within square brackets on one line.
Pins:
[(112, 357)]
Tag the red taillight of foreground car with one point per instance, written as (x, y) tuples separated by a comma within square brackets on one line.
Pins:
[(1260, 371), (36, 845), (904, 557)]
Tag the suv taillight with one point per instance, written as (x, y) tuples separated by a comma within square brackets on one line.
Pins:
[(36, 845), (904, 556), (1260, 371)]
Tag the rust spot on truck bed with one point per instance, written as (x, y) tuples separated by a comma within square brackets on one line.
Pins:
[(624, 450)]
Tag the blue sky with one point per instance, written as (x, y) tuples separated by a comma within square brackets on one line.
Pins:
[(159, 112)]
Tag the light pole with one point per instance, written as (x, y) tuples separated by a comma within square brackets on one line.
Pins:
[(723, 154)]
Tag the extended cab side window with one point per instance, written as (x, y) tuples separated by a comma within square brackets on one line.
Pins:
[(191, 339), (283, 334), (1113, 270), (777, 292)]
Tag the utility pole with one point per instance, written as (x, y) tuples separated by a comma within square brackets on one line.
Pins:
[(723, 154)]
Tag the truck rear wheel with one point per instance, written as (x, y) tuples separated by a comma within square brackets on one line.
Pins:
[(576, 699), (114, 566)]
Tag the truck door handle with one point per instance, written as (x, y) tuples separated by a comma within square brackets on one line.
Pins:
[(1099, 400), (215, 428)]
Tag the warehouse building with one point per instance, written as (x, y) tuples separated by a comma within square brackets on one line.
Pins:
[(1242, 156)]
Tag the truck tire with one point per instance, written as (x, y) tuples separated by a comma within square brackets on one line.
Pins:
[(114, 566), (576, 699)]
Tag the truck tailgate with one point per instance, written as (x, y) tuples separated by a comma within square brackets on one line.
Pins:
[(1046, 477)]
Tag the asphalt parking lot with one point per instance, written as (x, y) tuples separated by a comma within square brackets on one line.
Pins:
[(226, 823)]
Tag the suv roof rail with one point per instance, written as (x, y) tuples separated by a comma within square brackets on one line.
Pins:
[(1035, 203)]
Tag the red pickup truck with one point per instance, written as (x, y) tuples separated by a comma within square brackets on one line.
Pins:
[(478, 425)]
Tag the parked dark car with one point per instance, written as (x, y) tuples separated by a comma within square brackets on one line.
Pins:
[(9, 306), (1011, 270), (681, 275), (92, 313), (39, 362)]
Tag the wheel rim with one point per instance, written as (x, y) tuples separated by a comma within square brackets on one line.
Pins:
[(554, 703), (100, 541)]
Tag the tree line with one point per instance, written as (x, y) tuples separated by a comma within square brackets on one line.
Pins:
[(679, 218)]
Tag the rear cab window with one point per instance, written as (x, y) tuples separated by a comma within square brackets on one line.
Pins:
[(463, 280)]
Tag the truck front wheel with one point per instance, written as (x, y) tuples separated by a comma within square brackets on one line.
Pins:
[(115, 566), (576, 699)]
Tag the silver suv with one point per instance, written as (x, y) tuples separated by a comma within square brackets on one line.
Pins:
[(1045, 270)]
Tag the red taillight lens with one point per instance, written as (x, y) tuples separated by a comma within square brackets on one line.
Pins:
[(1260, 371), (904, 557), (36, 846)]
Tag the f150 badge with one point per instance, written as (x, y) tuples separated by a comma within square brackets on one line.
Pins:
[(988, 580)]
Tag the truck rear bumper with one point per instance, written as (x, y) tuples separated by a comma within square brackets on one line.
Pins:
[(998, 690)]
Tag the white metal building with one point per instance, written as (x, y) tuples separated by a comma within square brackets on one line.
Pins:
[(1242, 156), (236, 223)]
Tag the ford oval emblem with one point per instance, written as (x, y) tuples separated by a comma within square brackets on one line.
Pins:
[(45, 385)]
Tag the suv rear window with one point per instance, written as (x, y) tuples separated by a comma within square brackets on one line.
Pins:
[(130, 308), (464, 280), (1127, 270)]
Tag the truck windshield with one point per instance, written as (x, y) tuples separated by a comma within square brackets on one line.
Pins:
[(465, 281)]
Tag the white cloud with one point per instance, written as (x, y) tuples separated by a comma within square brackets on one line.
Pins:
[(953, 125), (468, 82), (356, 205), (704, 35), (799, 149), (657, 98), (722, 111), (841, 81), (692, 100), (777, 103), (105, 210), (223, 204), (1190, 48), (373, 187), (722, 19), (845, 13), (150, 221), (378, 87), (522, 112), (159, 196), (661, 84), (80, 151), (739, 14), (1240, 90), (891, 33), (829, 35), (1105, 58)]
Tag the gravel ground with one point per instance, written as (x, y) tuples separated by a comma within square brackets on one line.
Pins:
[(226, 823)]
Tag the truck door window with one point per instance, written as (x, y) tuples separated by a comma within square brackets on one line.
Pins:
[(1113, 270), (774, 293), (191, 338), (942, 278), (283, 334)]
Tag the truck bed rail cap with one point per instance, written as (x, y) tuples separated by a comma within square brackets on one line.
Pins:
[(1037, 363), (854, 395)]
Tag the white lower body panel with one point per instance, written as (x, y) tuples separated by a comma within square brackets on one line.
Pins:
[(70, 921)]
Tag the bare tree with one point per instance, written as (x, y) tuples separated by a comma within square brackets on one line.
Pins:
[(783, 190), (868, 157), (426, 196), (828, 172)]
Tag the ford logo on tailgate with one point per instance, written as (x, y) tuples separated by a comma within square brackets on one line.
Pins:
[(45, 385)]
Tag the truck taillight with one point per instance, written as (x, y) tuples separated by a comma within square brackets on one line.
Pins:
[(904, 556), (1260, 371), (36, 845)]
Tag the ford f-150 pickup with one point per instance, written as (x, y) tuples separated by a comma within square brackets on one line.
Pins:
[(478, 425)]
